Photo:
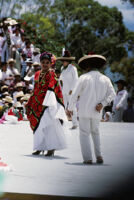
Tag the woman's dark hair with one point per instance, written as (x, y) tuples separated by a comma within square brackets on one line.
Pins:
[(45, 55)]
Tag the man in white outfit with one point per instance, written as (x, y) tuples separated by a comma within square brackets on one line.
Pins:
[(120, 101), (95, 91), (68, 79)]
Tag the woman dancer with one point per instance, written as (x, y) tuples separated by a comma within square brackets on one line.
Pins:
[(45, 110)]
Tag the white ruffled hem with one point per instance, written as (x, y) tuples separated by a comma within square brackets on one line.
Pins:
[(50, 134)]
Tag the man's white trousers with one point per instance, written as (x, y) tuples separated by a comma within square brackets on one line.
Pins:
[(89, 128)]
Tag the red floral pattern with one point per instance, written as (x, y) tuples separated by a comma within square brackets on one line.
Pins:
[(34, 107)]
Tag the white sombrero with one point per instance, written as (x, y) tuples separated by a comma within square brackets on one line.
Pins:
[(94, 61), (66, 57)]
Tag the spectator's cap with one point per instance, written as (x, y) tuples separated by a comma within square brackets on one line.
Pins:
[(17, 74), (19, 94), (36, 50), (121, 82), (18, 85), (36, 64), (11, 60), (8, 99), (27, 78), (92, 60), (6, 94), (7, 22), (66, 56), (18, 105), (9, 19), (4, 87), (29, 60), (13, 22), (26, 97)]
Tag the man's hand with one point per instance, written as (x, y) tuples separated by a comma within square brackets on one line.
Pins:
[(69, 113), (98, 107), (70, 92)]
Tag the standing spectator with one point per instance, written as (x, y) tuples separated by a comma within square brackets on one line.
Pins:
[(120, 101), (6, 44), (5, 75), (36, 55), (128, 114), (1, 43), (68, 80), (94, 91), (11, 67), (23, 65), (15, 42)]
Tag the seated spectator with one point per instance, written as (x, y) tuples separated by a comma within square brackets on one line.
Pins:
[(18, 96), (5, 75), (4, 88), (18, 111), (8, 115), (29, 65), (128, 114), (28, 50), (18, 88), (17, 79), (11, 67), (35, 67), (36, 55), (28, 86)]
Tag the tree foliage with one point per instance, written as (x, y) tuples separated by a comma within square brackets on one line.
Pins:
[(125, 67), (80, 26)]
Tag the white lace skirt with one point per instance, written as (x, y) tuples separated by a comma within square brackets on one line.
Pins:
[(50, 133)]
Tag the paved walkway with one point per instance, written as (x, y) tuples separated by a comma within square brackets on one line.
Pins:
[(64, 174)]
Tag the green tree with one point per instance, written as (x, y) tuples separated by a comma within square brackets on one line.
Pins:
[(86, 26), (126, 67)]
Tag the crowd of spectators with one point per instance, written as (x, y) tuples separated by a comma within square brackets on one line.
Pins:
[(19, 60)]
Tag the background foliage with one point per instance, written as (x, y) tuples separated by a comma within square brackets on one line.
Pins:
[(80, 26)]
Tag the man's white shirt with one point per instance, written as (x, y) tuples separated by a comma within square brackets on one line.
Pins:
[(92, 88)]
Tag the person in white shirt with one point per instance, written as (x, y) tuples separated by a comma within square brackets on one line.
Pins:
[(36, 55), (16, 39), (120, 101), (68, 80), (28, 49), (11, 67), (5, 74), (95, 91), (1, 42)]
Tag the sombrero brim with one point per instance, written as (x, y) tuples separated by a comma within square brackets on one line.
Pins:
[(94, 61), (66, 58)]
